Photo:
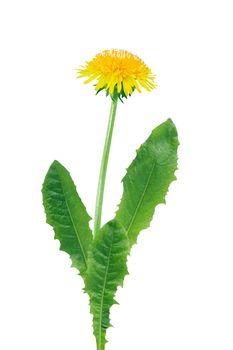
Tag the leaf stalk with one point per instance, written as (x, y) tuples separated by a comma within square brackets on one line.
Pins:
[(104, 165)]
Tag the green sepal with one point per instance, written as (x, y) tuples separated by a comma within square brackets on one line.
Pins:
[(115, 95)]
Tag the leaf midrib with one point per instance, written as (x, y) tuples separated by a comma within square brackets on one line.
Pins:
[(72, 221), (141, 199), (102, 297)]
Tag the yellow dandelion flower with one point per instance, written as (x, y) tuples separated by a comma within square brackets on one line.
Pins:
[(118, 72)]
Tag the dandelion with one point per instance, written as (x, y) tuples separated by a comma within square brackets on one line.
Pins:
[(119, 72), (100, 255)]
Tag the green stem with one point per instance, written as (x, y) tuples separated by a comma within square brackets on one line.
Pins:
[(103, 168)]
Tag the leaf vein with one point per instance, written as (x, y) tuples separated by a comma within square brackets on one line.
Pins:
[(102, 294), (72, 221), (141, 199)]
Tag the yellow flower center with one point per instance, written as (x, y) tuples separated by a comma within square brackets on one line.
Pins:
[(118, 71)]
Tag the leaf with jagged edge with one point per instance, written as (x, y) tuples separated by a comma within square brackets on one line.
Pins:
[(147, 180), (106, 271), (67, 215)]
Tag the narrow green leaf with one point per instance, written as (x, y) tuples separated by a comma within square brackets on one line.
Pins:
[(106, 271), (67, 215), (147, 180)]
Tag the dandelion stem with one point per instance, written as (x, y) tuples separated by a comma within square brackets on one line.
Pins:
[(103, 167)]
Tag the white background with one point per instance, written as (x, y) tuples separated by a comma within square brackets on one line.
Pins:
[(179, 294)]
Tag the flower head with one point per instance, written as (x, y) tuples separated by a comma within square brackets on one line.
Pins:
[(118, 72)]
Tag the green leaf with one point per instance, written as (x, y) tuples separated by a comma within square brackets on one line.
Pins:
[(106, 271), (147, 180), (67, 215)]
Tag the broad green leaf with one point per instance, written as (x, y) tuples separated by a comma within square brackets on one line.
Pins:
[(106, 271), (147, 179), (67, 215)]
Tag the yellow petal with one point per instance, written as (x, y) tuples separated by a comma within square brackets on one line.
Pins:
[(120, 69)]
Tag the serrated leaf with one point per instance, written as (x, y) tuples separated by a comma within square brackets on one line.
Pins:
[(106, 271), (147, 179), (67, 215)]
